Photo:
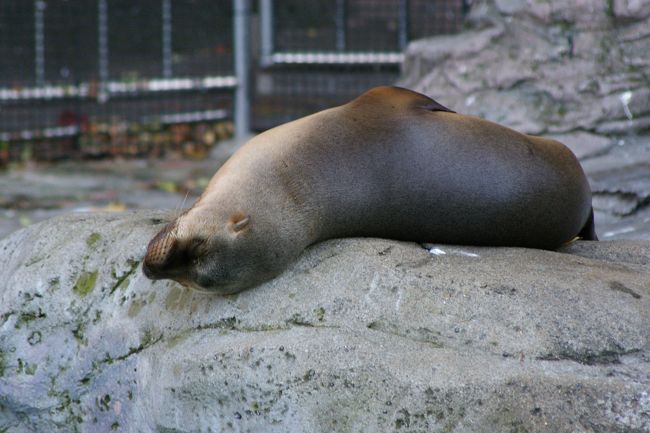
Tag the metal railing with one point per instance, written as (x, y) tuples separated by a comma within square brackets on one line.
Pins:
[(307, 59), (340, 55)]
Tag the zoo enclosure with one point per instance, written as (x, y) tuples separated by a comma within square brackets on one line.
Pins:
[(146, 77)]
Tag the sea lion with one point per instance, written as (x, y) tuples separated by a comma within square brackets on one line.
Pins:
[(392, 163)]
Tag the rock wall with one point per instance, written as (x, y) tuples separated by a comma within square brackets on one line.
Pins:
[(577, 71), (359, 335), (543, 66)]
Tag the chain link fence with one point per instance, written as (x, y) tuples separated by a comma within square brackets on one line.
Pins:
[(90, 78)]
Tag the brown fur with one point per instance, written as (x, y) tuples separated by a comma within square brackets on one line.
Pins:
[(391, 163)]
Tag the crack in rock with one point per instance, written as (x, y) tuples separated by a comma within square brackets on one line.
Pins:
[(119, 280), (132, 351), (620, 287), (420, 335), (587, 357)]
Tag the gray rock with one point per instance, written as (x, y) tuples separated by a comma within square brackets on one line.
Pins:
[(634, 226), (631, 9), (358, 335), (543, 67), (583, 144), (620, 182), (622, 126)]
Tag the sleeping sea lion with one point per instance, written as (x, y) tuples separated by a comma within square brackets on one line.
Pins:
[(392, 163)]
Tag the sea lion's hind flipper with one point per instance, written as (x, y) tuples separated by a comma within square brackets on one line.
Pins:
[(588, 232), (435, 106)]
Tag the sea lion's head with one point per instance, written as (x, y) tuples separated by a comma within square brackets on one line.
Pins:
[(211, 251)]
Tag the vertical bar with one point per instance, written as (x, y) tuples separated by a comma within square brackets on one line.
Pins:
[(340, 25), (241, 9), (266, 32), (167, 38), (39, 41), (467, 4), (403, 24), (102, 42)]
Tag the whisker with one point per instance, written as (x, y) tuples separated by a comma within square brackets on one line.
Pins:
[(178, 209), (187, 193)]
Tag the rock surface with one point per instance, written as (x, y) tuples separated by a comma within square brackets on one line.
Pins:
[(543, 67), (620, 182), (358, 335), (577, 72)]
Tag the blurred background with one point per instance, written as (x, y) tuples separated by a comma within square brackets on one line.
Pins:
[(116, 104), (149, 77)]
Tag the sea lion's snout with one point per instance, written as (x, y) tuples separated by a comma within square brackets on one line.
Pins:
[(173, 257), (158, 262)]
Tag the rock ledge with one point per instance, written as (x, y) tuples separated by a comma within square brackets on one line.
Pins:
[(359, 335)]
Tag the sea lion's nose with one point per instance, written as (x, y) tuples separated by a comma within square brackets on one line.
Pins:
[(158, 258), (148, 271)]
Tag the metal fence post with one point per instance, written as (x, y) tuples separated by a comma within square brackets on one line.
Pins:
[(167, 38), (242, 66), (341, 25), (266, 32), (403, 24), (102, 43), (39, 41)]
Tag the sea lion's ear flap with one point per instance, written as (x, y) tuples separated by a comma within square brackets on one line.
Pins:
[(239, 222)]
